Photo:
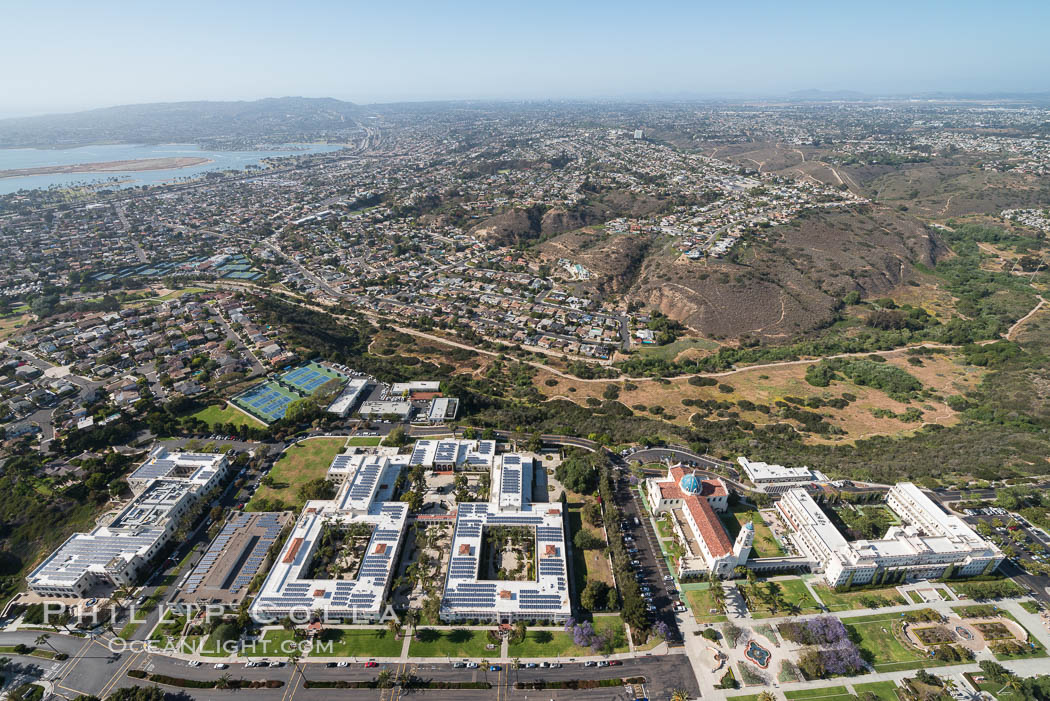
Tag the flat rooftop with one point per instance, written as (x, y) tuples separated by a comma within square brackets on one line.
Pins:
[(287, 587), (235, 556)]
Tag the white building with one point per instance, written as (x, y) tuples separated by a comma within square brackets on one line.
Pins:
[(454, 453), (366, 483), (343, 404), (443, 409), (168, 485), (544, 594), (694, 505), (927, 546), (398, 410), (405, 389), (776, 479)]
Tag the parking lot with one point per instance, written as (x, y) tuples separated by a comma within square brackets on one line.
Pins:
[(651, 571)]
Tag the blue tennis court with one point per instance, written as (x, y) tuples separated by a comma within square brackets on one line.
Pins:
[(268, 401), (308, 377)]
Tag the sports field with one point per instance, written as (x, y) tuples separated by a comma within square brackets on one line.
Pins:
[(307, 378), (267, 401)]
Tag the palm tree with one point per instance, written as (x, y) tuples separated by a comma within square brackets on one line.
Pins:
[(683, 695), (383, 679), (223, 682), (394, 627), (767, 696), (485, 668), (43, 639), (410, 618)]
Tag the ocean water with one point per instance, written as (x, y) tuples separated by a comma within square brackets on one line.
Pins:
[(219, 160)]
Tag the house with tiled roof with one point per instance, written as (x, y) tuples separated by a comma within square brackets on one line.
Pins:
[(693, 505)]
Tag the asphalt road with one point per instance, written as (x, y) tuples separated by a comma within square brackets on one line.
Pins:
[(93, 669)]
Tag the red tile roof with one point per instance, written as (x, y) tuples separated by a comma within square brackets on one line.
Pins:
[(712, 488), (671, 490), (711, 528), (293, 550)]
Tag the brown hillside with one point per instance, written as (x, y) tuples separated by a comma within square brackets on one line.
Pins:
[(790, 281)]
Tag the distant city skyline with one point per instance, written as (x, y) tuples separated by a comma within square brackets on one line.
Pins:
[(67, 56)]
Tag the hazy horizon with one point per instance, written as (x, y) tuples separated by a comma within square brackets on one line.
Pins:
[(111, 53)]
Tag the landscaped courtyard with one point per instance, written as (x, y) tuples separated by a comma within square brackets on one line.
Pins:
[(765, 545)]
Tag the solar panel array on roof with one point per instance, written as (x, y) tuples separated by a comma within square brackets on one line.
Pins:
[(550, 566), (462, 567), (154, 469), (252, 563), (447, 452), (549, 533), (341, 462), (419, 454), (365, 481), (468, 528), (497, 519), (533, 600)]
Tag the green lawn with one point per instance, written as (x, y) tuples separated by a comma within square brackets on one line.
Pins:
[(794, 591), (999, 691), (914, 596), (765, 545), (744, 697), (302, 462), (545, 643), (346, 642), (215, 414), (701, 602), (886, 691), (458, 642), (365, 440), (847, 600), (822, 693), (874, 636), (664, 528)]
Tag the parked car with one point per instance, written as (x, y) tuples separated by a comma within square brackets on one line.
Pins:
[(221, 665), (371, 664), (472, 665), (194, 663), (459, 665), (494, 668)]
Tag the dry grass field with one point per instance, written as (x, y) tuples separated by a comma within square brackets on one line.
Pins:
[(939, 373)]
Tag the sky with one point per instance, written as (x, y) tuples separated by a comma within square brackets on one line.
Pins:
[(64, 56)]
